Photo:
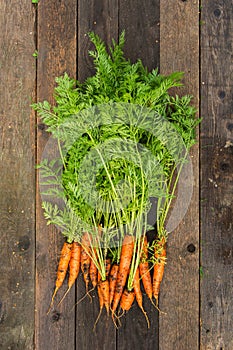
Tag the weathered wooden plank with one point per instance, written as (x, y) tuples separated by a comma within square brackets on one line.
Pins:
[(140, 20), (216, 175), (17, 185), (57, 54), (102, 18), (179, 297)]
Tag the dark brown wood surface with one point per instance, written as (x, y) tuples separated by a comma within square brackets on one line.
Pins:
[(179, 298), (217, 175), (100, 17), (161, 33), (140, 20), (17, 181)]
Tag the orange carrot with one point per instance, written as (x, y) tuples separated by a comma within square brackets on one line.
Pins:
[(74, 265), (138, 294), (160, 255), (100, 295), (104, 290), (145, 270), (107, 264), (93, 273), (123, 270), (112, 281), (85, 257), (101, 298), (62, 268), (127, 299), (137, 289)]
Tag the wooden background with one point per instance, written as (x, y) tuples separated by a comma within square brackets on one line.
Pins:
[(197, 289)]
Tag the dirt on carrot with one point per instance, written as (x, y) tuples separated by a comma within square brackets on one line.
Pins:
[(85, 258), (144, 270), (93, 274), (112, 281), (160, 255), (127, 299)]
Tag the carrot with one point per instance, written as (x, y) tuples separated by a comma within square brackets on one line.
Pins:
[(160, 255), (127, 299), (107, 264), (138, 294), (144, 270), (104, 290), (100, 295), (62, 268), (93, 273), (103, 294), (112, 281), (85, 257), (123, 270), (101, 298), (74, 265)]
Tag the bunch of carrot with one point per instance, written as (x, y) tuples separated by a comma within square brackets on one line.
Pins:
[(113, 287), (122, 122)]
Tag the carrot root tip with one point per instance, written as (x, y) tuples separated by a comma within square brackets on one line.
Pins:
[(52, 300), (146, 317), (98, 317), (157, 308), (63, 297)]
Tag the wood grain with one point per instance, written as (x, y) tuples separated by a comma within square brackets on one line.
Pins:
[(102, 18), (179, 297), (140, 20), (216, 176), (57, 54), (17, 185)]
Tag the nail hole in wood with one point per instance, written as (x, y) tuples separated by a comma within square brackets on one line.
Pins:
[(56, 316), (210, 304), (24, 243), (221, 94), (224, 166), (191, 248), (217, 13)]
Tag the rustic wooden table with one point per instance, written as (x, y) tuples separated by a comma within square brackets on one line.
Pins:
[(196, 293)]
